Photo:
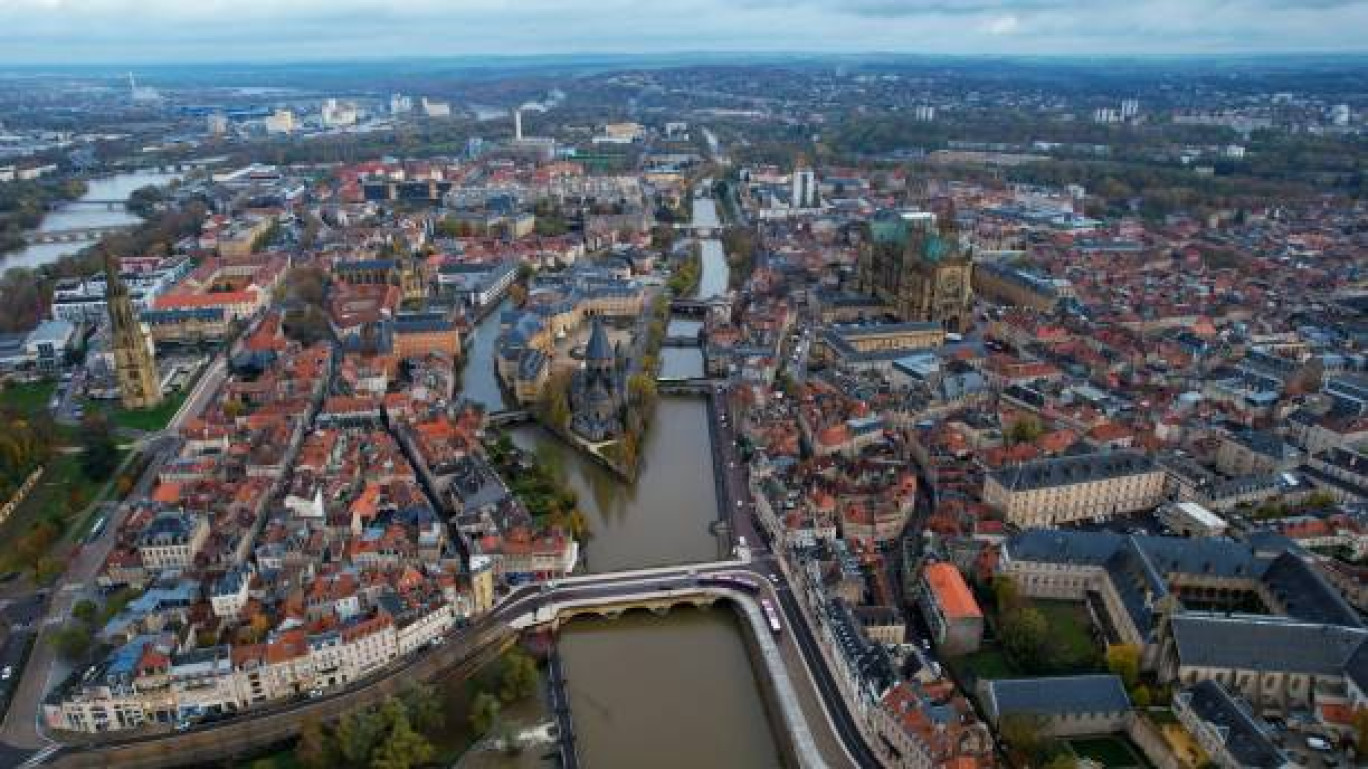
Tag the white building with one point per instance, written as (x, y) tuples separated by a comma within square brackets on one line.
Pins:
[(282, 121), (804, 188)]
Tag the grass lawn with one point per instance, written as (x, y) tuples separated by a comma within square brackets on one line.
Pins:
[(28, 398), (984, 664), (1070, 633), (146, 420), (1111, 752), (62, 482)]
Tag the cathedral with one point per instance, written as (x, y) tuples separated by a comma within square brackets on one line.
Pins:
[(919, 269), (135, 360), (598, 391)]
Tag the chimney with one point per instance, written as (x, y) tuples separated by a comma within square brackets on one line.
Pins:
[(517, 124)]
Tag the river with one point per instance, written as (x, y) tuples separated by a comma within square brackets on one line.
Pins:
[(673, 691), (716, 273), (68, 217)]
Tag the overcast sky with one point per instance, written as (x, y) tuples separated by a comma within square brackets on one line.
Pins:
[(77, 31)]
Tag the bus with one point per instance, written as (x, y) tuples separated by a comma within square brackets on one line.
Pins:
[(97, 529), (771, 616), (740, 582)]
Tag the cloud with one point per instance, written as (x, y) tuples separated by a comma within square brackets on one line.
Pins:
[(1002, 25), (60, 31)]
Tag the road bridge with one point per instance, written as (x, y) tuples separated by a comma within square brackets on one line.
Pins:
[(682, 341), (75, 234), (469, 649), (685, 306), (508, 418), (669, 385), (109, 204)]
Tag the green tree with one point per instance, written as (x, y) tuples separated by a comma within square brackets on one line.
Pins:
[(1023, 633), (485, 711), (518, 677), (402, 747), (1141, 697), (1124, 661), (85, 610), (100, 454), (1022, 734), (1006, 595), (72, 642), (423, 707), (356, 736), (1024, 430)]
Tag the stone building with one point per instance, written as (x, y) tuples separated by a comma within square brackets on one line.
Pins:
[(135, 359), (598, 391), (921, 271)]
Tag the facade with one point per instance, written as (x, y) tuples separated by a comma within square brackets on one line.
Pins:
[(1005, 284), (1075, 488), (921, 272), (135, 359), (952, 614)]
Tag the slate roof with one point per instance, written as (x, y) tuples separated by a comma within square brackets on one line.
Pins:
[(1066, 471), (1245, 642), (1244, 738), (1057, 696)]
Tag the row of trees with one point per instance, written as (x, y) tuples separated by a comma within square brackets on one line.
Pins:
[(25, 443)]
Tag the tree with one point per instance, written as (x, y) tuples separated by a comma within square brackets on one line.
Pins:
[(403, 747), (100, 454), (518, 678), (1023, 633), (1124, 661), (1006, 595), (72, 642), (356, 737), (1024, 430), (85, 610), (423, 707), (314, 750), (1141, 697), (484, 712), (1022, 734)]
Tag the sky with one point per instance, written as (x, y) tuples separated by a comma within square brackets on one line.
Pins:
[(114, 31)]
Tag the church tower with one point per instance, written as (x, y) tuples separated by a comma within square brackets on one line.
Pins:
[(919, 267), (135, 360)]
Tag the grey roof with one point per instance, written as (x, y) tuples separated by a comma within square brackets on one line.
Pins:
[(1245, 642), (1244, 738), (1057, 696), (1081, 468), (598, 349)]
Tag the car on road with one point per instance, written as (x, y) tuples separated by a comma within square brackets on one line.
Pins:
[(7, 673)]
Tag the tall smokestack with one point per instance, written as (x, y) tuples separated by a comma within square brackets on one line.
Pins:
[(517, 124)]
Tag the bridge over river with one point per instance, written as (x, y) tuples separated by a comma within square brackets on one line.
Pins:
[(75, 234), (812, 722)]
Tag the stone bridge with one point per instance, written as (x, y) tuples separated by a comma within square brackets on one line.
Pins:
[(75, 235), (507, 418)]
